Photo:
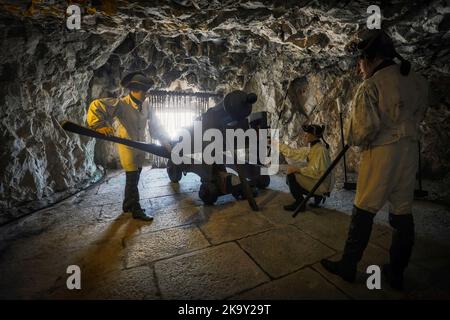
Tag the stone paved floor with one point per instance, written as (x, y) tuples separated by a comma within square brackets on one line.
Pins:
[(191, 251)]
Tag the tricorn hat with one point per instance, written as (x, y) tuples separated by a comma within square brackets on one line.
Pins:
[(377, 42), (136, 81), (317, 130), (314, 129)]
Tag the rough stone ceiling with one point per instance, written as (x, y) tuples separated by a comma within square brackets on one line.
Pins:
[(200, 32)]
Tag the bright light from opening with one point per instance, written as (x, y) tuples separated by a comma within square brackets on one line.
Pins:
[(177, 111), (174, 121)]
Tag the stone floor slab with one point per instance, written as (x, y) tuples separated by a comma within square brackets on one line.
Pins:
[(271, 204), (148, 247), (169, 218), (32, 278), (59, 220), (164, 218), (95, 262), (330, 227), (213, 273), (231, 225), (166, 190), (305, 284), (417, 279), (428, 254), (284, 250), (92, 200), (358, 290), (83, 235), (175, 201), (129, 284)]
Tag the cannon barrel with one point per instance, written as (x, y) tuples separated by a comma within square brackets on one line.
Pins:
[(236, 106)]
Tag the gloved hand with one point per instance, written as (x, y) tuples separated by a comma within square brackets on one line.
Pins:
[(292, 169), (107, 131), (167, 146)]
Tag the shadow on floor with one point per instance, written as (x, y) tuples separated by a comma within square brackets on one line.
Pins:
[(103, 256)]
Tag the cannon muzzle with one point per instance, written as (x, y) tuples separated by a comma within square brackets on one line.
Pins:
[(236, 105)]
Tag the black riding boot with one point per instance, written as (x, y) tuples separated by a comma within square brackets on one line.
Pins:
[(357, 240), (296, 191), (401, 248), (131, 198), (317, 201)]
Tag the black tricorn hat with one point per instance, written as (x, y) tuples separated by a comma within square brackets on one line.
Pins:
[(136, 81), (314, 129), (377, 42), (369, 43)]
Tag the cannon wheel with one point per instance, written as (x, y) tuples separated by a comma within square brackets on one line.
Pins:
[(263, 181), (174, 172), (208, 193)]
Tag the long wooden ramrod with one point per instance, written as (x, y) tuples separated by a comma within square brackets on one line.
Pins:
[(147, 147), (322, 179)]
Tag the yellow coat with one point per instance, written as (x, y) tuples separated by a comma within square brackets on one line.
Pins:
[(317, 159), (123, 115)]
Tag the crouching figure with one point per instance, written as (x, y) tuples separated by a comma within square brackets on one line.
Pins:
[(306, 166)]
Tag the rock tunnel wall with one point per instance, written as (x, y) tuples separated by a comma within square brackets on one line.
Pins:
[(49, 74)]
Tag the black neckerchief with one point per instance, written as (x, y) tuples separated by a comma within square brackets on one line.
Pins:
[(314, 142), (382, 65), (138, 103)]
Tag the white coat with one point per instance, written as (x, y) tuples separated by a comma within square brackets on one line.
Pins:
[(386, 112)]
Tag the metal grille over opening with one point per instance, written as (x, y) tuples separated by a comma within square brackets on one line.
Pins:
[(177, 109)]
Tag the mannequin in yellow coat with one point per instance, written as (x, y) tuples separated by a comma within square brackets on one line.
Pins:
[(386, 112), (307, 165), (129, 117)]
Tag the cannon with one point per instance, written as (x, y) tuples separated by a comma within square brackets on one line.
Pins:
[(242, 180)]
